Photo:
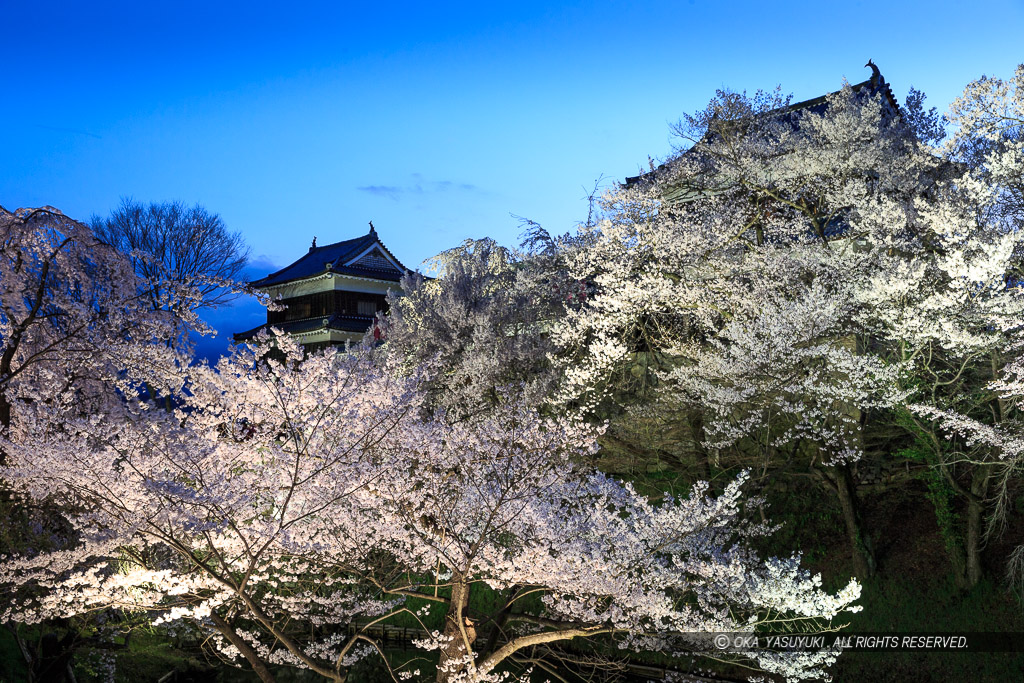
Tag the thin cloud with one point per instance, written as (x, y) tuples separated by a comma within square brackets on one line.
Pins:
[(418, 186), (389, 191), (258, 267)]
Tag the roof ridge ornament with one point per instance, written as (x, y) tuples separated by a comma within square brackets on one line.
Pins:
[(876, 76), (373, 231), (313, 246)]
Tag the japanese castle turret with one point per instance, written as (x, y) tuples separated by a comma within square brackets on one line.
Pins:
[(333, 293)]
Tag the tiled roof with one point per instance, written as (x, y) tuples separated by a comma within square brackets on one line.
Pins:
[(332, 257)]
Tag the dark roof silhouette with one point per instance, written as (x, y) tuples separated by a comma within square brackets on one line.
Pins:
[(874, 85), (332, 257)]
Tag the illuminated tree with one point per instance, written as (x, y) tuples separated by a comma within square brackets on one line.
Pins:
[(288, 507)]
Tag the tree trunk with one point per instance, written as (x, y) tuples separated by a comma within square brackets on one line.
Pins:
[(5, 405), (975, 521), (55, 655), (26, 655), (499, 621), (5, 424), (459, 631), (863, 552), (257, 664), (695, 420)]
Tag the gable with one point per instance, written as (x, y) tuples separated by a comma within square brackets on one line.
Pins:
[(374, 259)]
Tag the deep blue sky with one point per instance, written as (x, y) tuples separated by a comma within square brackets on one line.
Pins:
[(435, 121)]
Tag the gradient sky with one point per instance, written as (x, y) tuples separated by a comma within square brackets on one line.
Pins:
[(436, 121)]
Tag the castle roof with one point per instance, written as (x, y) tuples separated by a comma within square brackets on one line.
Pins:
[(874, 85), (364, 257)]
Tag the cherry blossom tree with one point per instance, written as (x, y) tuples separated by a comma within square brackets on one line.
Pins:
[(736, 266), (966, 318), (480, 326), (69, 305), (988, 120), (77, 334), (210, 505), (290, 507), (798, 269)]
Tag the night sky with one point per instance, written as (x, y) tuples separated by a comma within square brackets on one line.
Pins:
[(437, 122)]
